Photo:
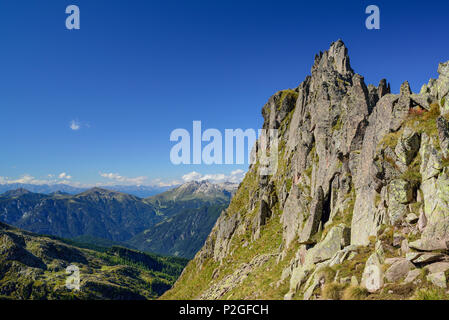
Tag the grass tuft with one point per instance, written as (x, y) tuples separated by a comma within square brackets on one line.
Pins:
[(355, 293), (332, 291)]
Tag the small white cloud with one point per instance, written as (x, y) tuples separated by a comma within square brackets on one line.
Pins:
[(24, 179), (160, 183), (75, 125), (124, 180), (64, 176), (51, 180), (192, 176), (235, 176)]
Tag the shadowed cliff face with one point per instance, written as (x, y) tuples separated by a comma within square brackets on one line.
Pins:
[(361, 177)]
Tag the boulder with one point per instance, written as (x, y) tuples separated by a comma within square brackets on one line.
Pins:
[(410, 256), (429, 244), (438, 279), (437, 267), (398, 270), (337, 238), (373, 278), (390, 261), (428, 257), (412, 275), (411, 218)]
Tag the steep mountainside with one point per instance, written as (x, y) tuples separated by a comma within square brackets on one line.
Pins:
[(34, 267), (358, 207), (192, 210), (192, 193), (181, 235)]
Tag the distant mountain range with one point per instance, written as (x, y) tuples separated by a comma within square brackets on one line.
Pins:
[(97, 212), (175, 222), (138, 191)]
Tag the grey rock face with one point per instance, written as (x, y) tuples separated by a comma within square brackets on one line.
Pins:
[(398, 270), (366, 219), (261, 217), (313, 222), (293, 214), (443, 134), (408, 146)]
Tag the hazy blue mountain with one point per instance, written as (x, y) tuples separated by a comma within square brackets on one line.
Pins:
[(138, 191), (41, 188), (191, 210), (181, 235), (97, 213)]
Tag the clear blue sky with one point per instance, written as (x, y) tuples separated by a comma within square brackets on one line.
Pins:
[(139, 69)]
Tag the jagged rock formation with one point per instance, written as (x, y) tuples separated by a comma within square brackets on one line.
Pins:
[(358, 207)]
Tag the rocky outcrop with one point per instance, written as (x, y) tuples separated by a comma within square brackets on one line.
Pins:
[(360, 196)]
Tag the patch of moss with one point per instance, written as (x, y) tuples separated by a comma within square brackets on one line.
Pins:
[(286, 93), (390, 140), (308, 171), (289, 183), (338, 125)]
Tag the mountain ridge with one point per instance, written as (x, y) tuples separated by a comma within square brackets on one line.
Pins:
[(107, 216), (139, 191)]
